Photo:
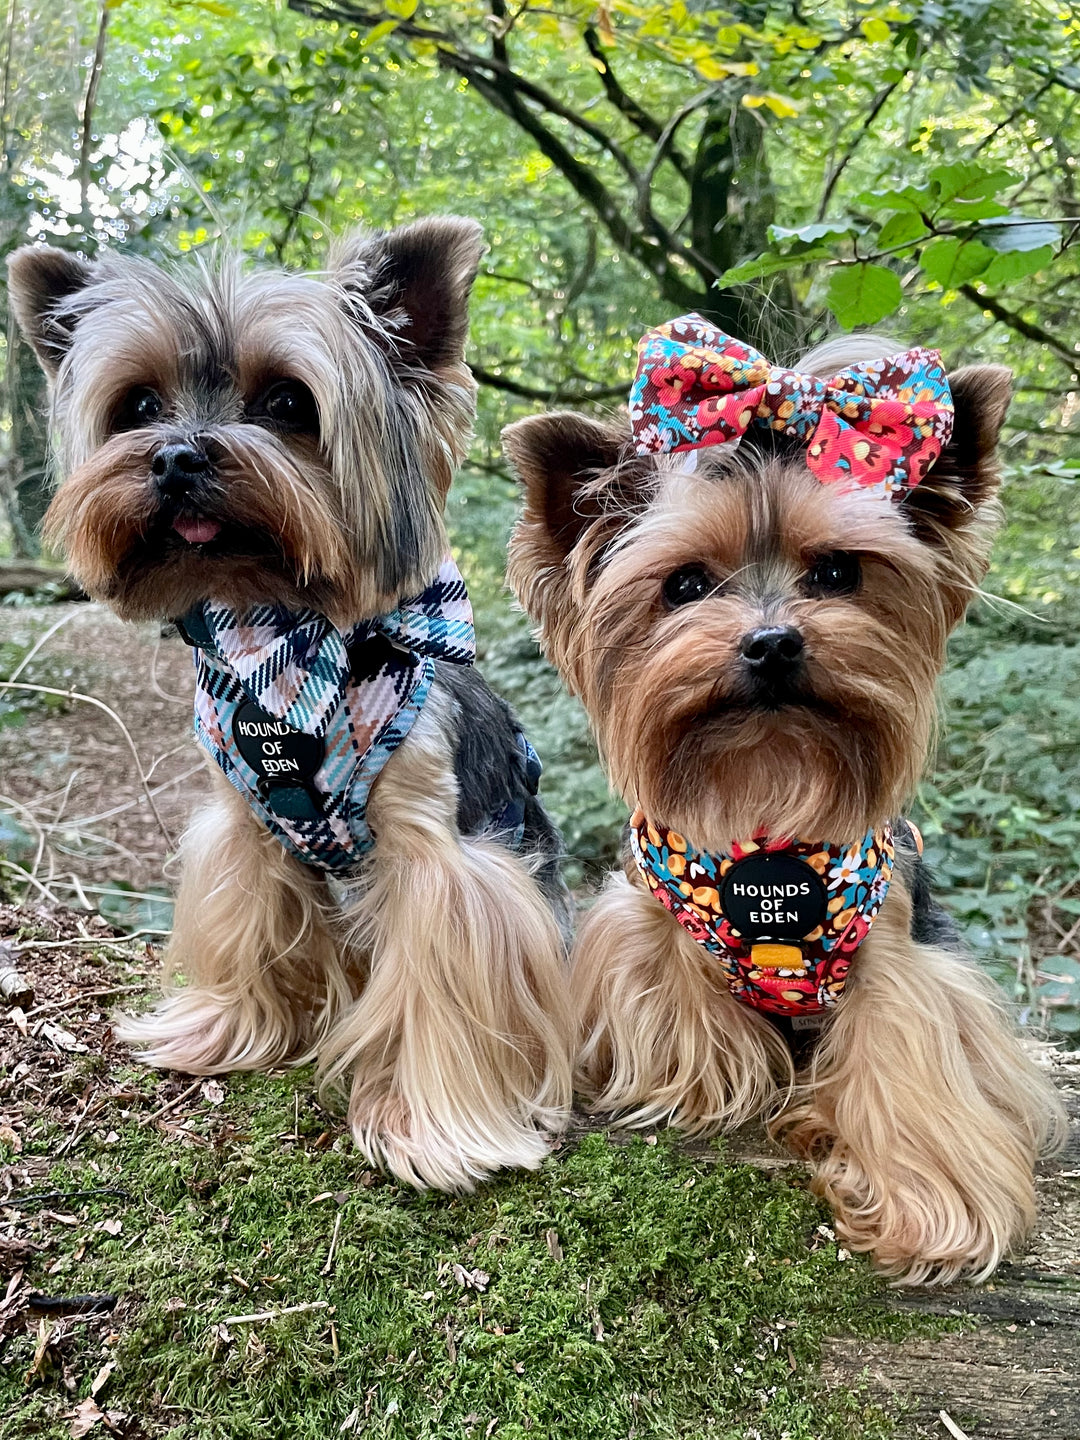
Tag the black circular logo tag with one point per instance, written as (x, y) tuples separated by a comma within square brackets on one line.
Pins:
[(274, 750), (774, 897)]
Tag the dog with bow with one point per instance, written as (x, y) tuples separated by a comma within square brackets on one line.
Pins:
[(750, 587), (263, 458)]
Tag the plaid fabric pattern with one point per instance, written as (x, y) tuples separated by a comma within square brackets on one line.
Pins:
[(295, 665), (296, 668)]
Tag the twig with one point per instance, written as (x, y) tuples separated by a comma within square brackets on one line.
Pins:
[(333, 1246), (276, 1314), (45, 1197), (43, 640), (86, 116), (951, 1426), (149, 1119), (71, 1304), (108, 710), (51, 1006)]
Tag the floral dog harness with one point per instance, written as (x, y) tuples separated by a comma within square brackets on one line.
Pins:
[(879, 425), (302, 717), (783, 918)]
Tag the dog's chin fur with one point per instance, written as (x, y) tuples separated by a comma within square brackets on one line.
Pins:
[(919, 1055), (283, 536)]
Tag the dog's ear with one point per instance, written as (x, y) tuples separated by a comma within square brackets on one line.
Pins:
[(416, 280), (562, 460), (954, 509), (42, 280), (965, 477)]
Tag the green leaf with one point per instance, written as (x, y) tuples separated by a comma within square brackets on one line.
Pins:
[(810, 234), (952, 261), (914, 198), (1021, 234), (863, 294), (966, 181), (768, 264), (1015, 264), (970, 210), (876, 30), (901, 229)]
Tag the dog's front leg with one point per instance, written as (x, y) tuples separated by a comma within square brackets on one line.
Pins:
[(458, 1053), (664, 1040), (921, 1113), (251, 940)]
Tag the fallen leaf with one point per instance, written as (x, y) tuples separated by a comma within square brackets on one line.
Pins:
[(41, 1350), (101, 1378), (212, 1091), (17, 1016), (555, 1250), (8, 1136), (85, 1416), (63, 1039), (471, 1279), (110, 1226)]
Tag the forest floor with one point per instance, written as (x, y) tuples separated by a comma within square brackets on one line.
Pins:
[(249, 1276)]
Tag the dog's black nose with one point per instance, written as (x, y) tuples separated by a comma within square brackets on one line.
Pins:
[(178, 467), (772, 648)]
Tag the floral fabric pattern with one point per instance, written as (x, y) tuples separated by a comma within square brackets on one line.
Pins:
[(688, 883), (878, 426)]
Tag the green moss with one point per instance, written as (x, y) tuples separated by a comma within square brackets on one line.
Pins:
[(625, 1289)]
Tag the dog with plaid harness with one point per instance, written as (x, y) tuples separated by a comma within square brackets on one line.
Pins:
[(263, 458)]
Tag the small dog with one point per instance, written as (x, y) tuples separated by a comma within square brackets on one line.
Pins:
[(750, 588), (264, 458)]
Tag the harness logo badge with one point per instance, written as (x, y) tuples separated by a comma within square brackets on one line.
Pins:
[(274, 750), (774, 897)]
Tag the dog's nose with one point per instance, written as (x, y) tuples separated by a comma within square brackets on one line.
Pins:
[(773, 647), (177, 467)]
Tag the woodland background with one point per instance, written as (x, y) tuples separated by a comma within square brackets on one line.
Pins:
[(789, 168)]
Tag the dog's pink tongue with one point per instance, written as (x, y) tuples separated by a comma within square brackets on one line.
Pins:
[(196, 532)]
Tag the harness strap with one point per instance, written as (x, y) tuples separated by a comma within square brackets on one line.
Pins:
[(783, 918)]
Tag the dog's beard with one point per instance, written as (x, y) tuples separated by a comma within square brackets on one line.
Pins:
[(825, 750), (265, 525)]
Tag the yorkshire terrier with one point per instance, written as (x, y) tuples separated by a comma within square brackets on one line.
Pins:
[(263, 458), (750, 587)]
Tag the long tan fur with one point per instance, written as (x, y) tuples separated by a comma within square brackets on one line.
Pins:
[(921, 1112), (663, 1040), (437, 996)]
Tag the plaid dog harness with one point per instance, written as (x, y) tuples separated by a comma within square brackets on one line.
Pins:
[(302, 717), (782, 918)]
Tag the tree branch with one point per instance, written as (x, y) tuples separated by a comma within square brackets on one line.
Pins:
[(559, 392), (638, 116), (880, 101), (1022, 327), (86, 119)]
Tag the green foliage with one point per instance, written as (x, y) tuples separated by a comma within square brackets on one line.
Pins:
[(622, 1289)]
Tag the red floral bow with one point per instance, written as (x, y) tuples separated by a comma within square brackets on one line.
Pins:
[(878, 425)]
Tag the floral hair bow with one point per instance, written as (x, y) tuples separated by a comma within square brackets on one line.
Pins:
[(879, 425)]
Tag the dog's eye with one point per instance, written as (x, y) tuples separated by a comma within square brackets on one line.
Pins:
[(838, 573), (687, 584), (291, 405), (140, 406)]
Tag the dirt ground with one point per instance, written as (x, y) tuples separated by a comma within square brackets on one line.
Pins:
[(71, 767)]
